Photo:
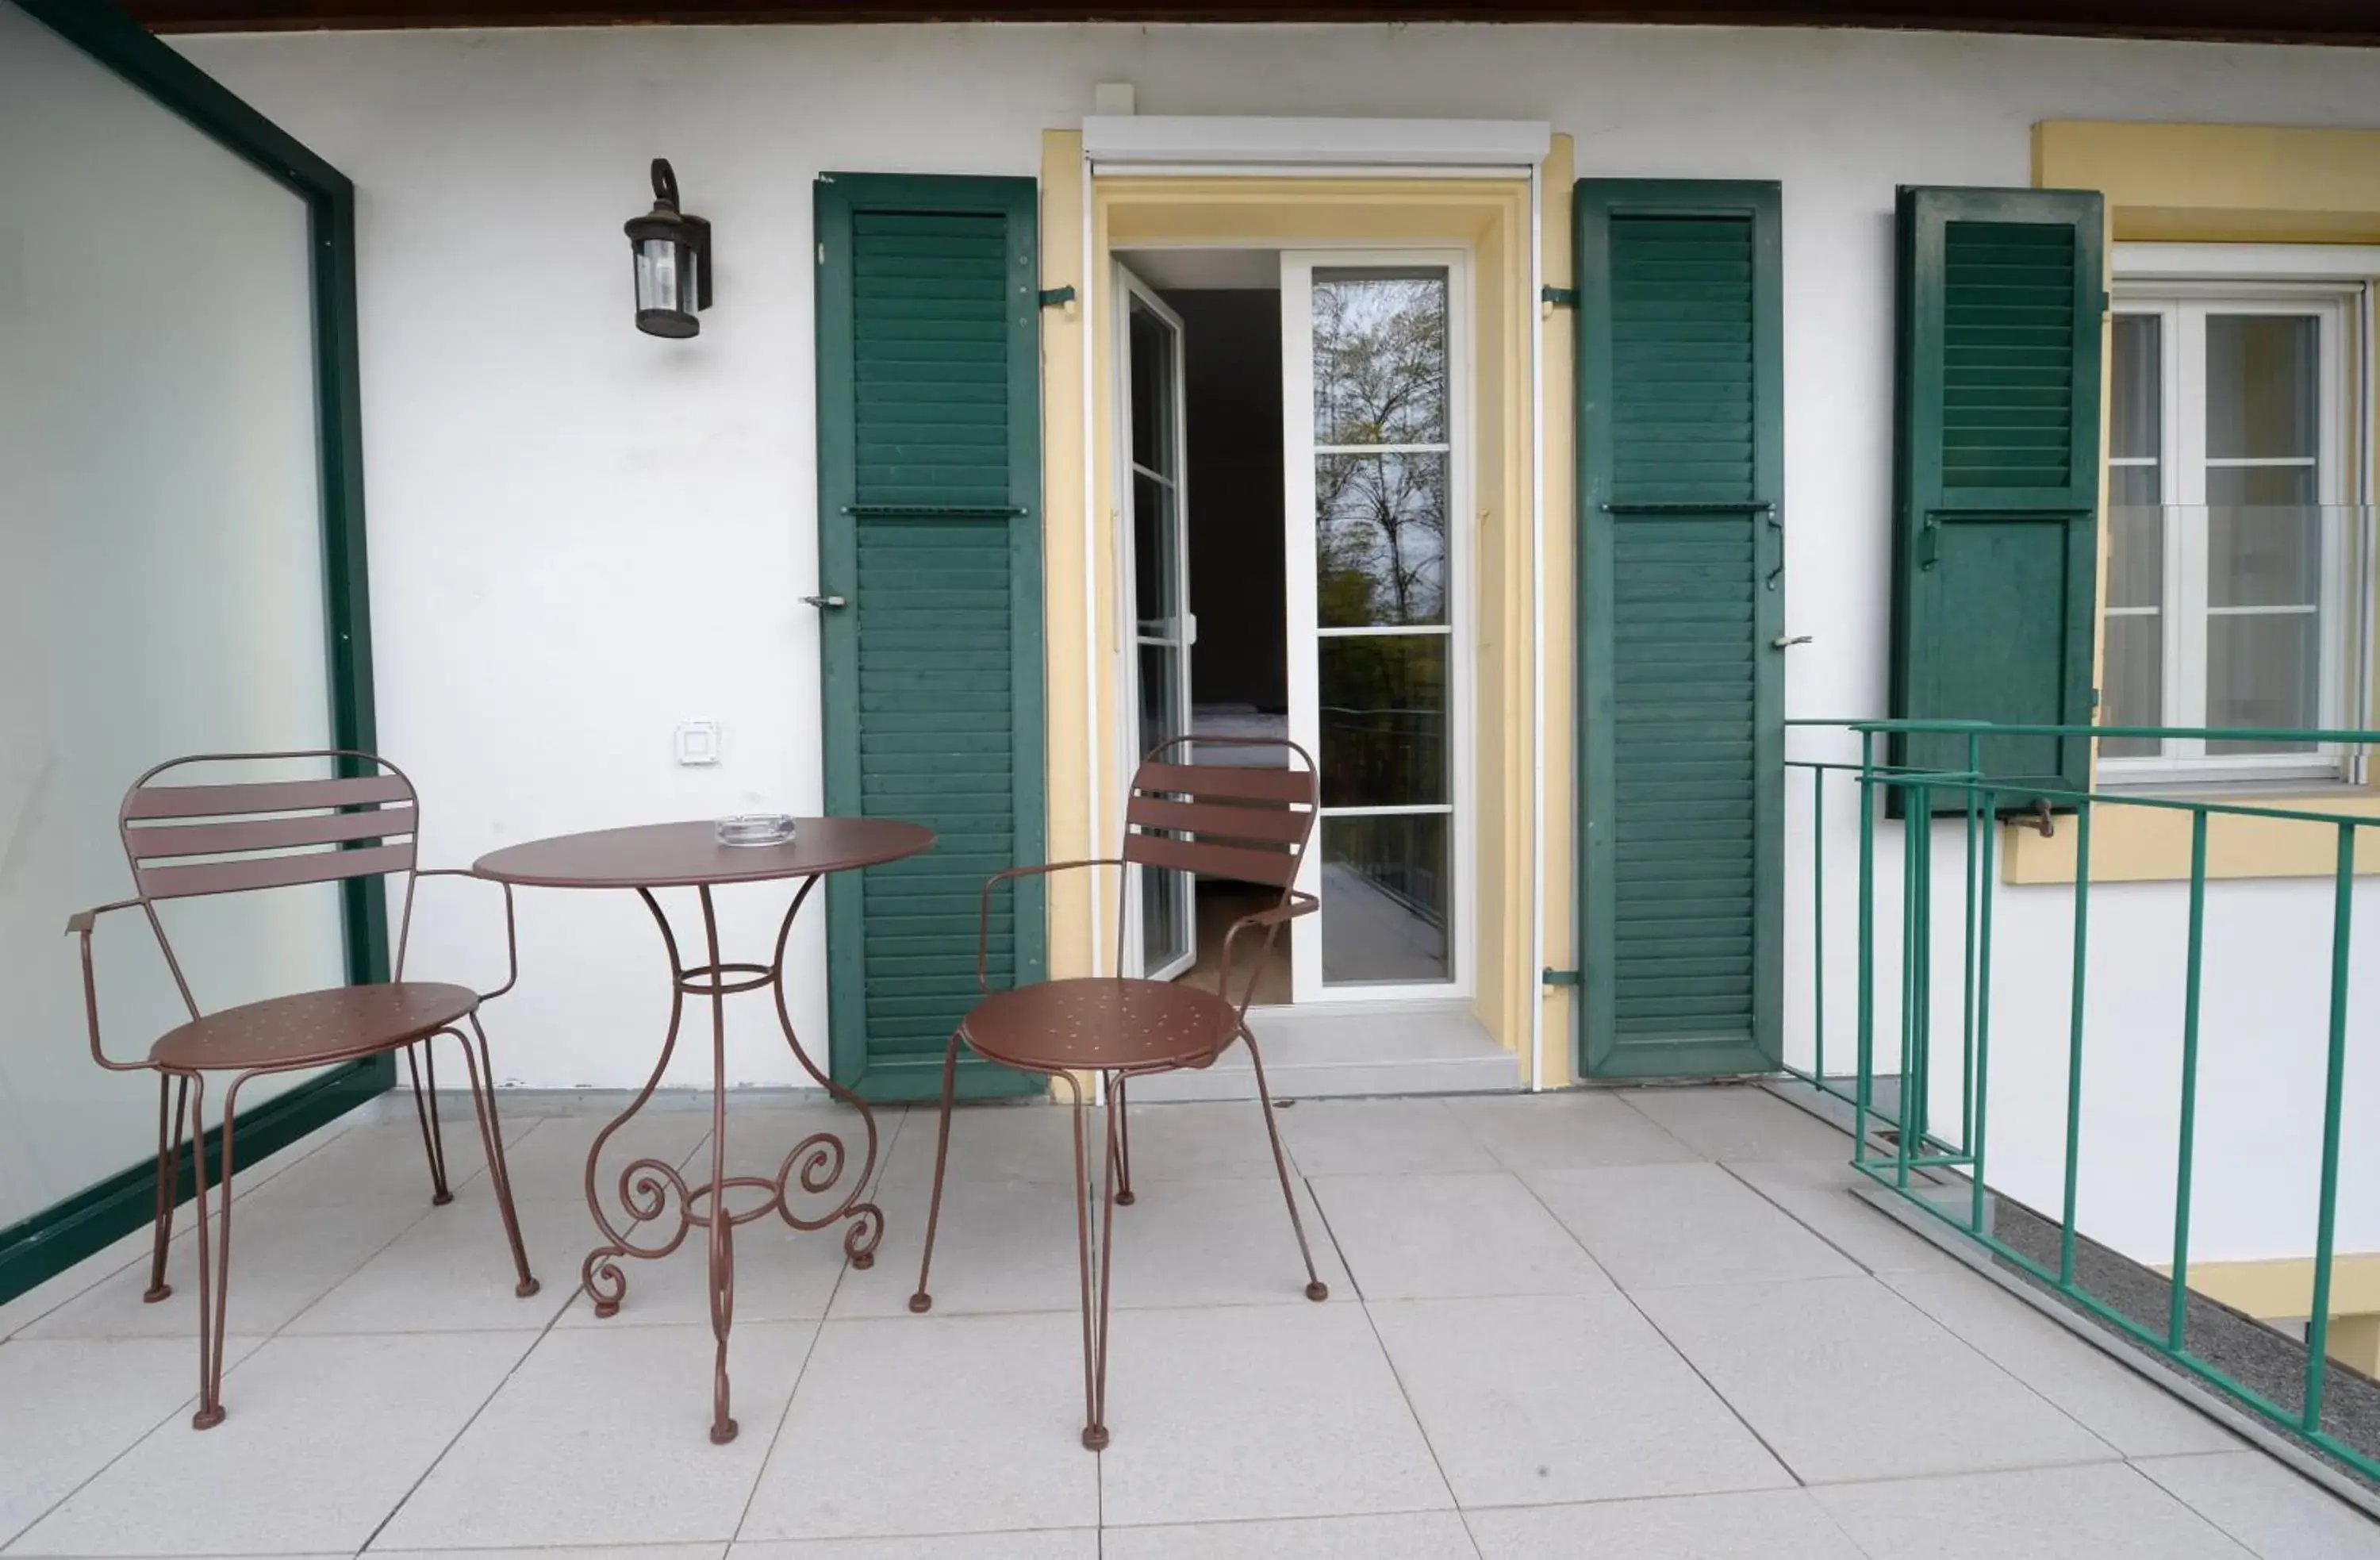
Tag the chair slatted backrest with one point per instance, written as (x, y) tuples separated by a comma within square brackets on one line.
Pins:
[(266, 834), (1247, 823)]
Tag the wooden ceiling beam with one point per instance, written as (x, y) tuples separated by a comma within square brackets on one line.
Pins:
[(2353, 22)]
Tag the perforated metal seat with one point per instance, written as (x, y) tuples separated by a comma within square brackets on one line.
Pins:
[(1244, 823), (1102, 1026), (314, 1029)]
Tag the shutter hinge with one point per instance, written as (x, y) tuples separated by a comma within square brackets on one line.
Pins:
[(1560, 298), (1553, 977), (1052, 297)]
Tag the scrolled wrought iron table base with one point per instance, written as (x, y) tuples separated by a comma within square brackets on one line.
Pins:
[(652, 1207), (654, 1192)]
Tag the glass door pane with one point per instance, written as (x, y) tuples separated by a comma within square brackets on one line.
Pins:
[(1373, 449), (1162, 625)]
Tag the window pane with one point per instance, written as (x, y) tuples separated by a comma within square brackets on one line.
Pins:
[(1383, 718), (1152, 548), (2135, 418), (1379, 356), (2135, 555), (2263, 670), (2266, 485), (1152, 389), (1379, 540), (1161, 704), (2134, 485), (1384, 898), (2261, 385), (2135, 684), (2263, 557)]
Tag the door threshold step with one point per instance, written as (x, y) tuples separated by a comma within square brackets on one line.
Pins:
[(1340, 1054)]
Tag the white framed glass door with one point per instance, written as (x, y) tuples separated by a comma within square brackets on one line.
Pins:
[(1162, 929), (1374, 367)]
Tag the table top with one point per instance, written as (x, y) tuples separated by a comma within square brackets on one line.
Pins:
[(687, 855)]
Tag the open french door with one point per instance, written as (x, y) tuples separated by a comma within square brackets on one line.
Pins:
[(1151, 439)]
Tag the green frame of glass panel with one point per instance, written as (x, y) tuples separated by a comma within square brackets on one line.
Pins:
[(49, 1242)]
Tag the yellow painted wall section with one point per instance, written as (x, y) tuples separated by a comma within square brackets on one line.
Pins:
[(1557, 1050), (2210, 184)]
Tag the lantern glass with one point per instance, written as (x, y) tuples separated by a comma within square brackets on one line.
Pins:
[(658, 275)]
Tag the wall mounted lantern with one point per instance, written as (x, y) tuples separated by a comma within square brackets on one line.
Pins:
[(673, 253)]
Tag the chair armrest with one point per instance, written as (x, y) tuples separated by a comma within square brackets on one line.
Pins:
[(983, 921), (511, 941), (1298, 903), (80, 925)]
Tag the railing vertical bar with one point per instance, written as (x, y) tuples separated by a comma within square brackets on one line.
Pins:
[(1864, 1090), (1916, 843), (2178, 1323), (2327, 1217), (1819, 922), (2074, 1042), (1967, 945), (1983, 1020)]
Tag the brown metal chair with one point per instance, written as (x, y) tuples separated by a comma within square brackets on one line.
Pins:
[(1247, 823), (272, 834)]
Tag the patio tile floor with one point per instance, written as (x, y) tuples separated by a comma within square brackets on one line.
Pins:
[(1646, 1324)]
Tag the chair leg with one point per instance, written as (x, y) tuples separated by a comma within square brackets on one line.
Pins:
[(1122, 1139), (492, 1141), (169, 1147), (1094, 1285), (923, 1300), (214, 1262), (1315, 1288), (425, 1110)]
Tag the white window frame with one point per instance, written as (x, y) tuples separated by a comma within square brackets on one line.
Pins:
[(2180, 285), (1298, 455)]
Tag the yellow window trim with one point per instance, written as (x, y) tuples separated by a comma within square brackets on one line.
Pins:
[(2151, 844), (2209, 184), (2283, 1289), (2219, 183)]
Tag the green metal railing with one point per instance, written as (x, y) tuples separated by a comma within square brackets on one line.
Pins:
[(1925, 1160)]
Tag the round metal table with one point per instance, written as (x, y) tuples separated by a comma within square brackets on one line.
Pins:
[(651, 1192)]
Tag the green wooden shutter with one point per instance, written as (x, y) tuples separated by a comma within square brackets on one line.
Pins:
[(930, 526), (1997, 476), (1681, 600)]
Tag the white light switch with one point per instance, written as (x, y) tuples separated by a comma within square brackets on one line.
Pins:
[(697, 742)]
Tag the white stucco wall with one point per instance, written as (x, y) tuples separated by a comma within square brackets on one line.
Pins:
[(581, 536)]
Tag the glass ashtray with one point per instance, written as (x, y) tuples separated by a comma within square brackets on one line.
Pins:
[(755, 828)]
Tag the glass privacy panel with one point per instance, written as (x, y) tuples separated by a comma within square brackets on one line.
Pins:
[(1379, 540), (1383, 719), (2263, 670), (1379, 358), (163, 586), (2133, 682), (1385, 886)]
